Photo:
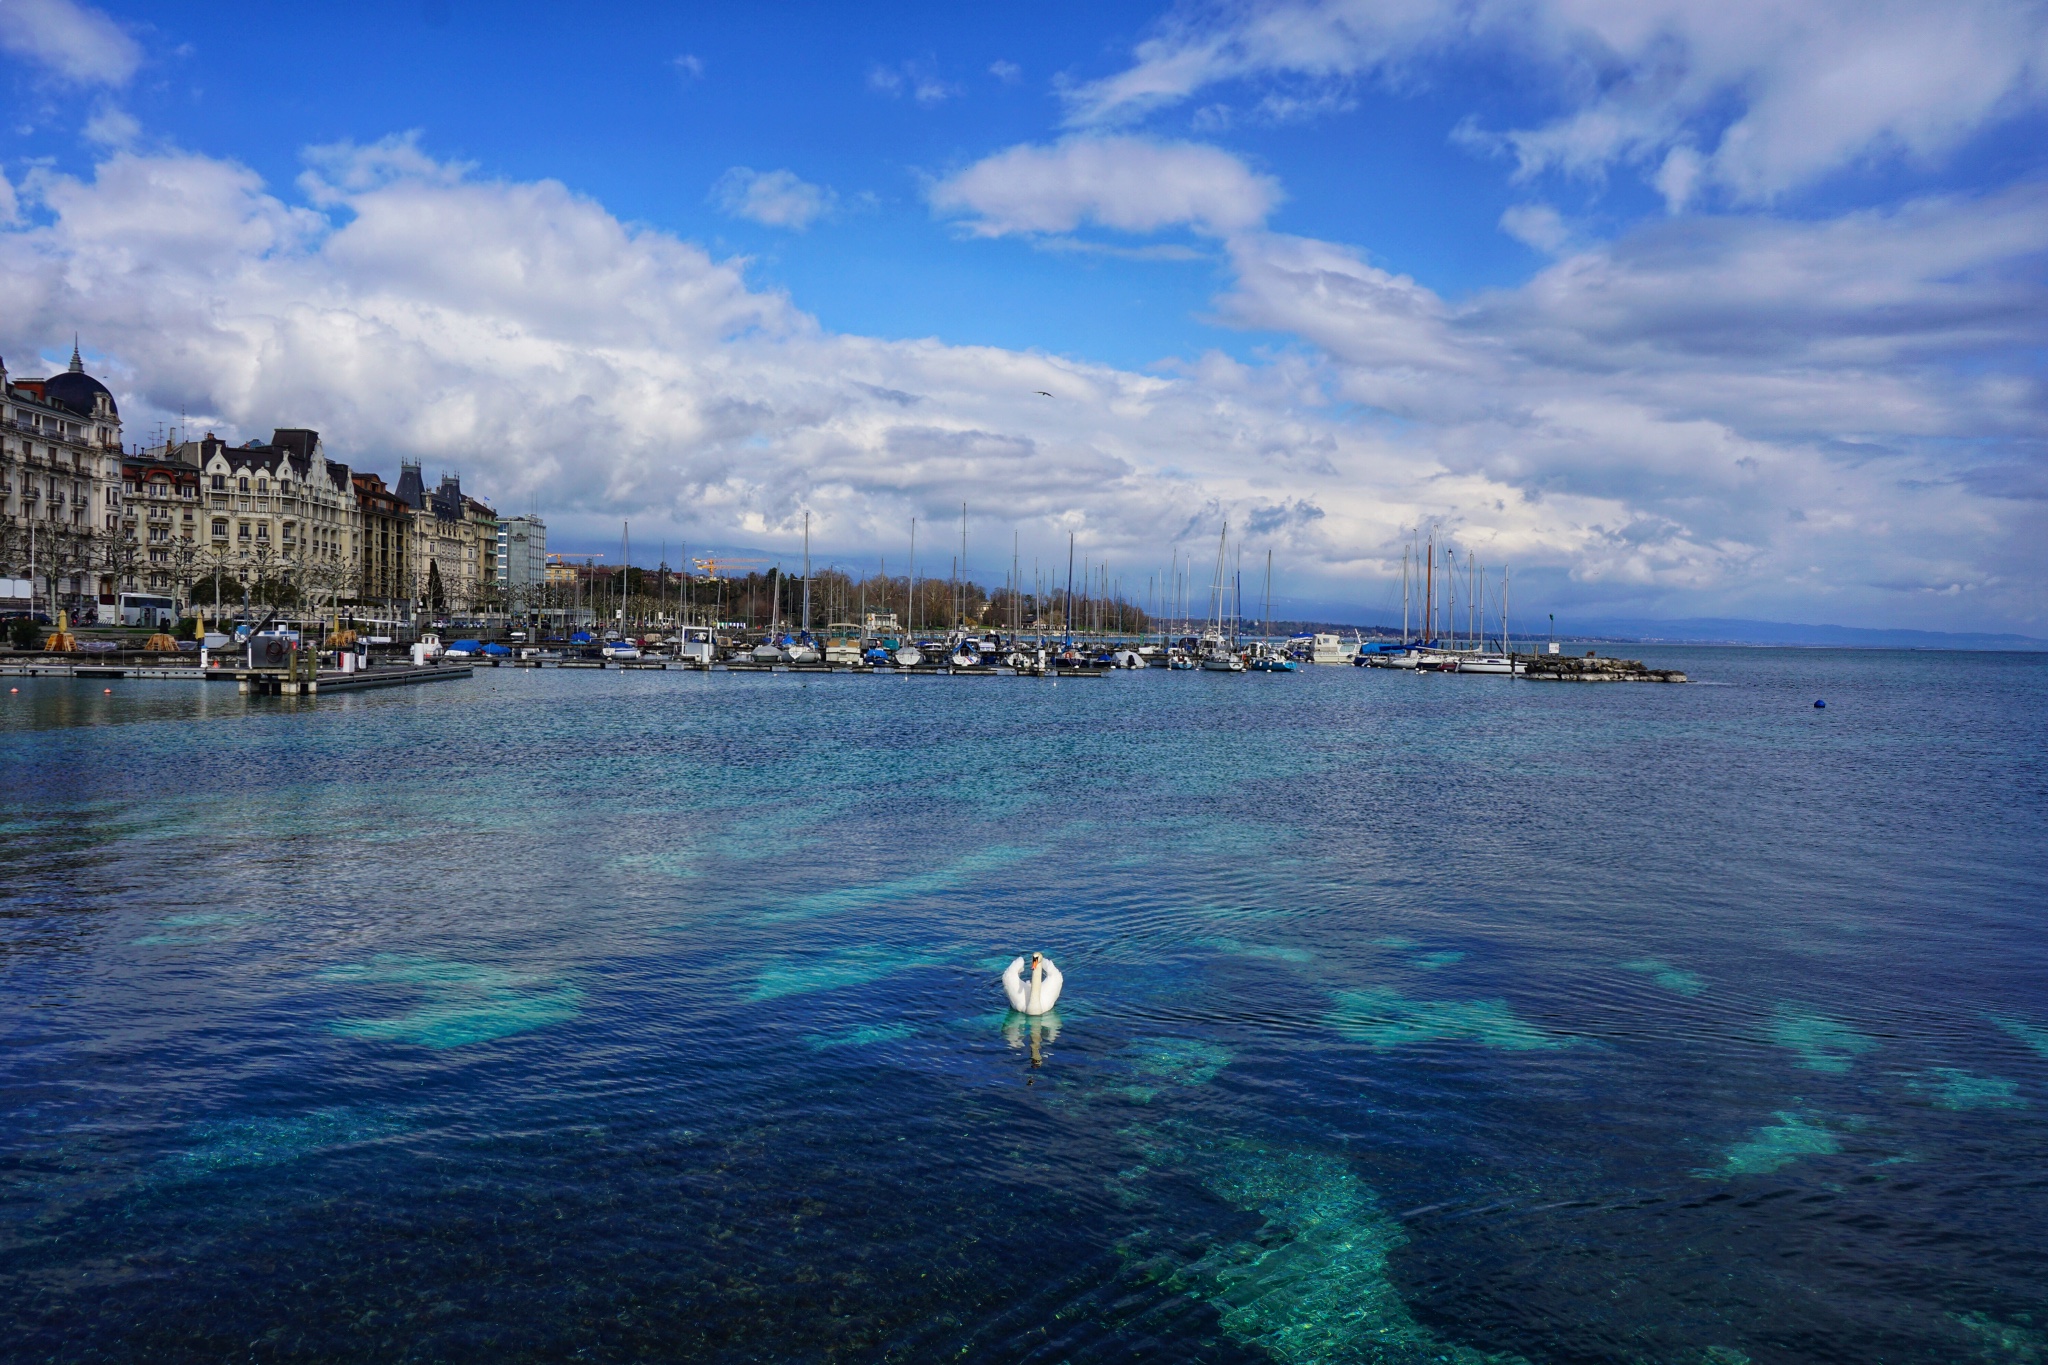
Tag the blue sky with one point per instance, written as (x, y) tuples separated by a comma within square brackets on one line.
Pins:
[(1680, 309)]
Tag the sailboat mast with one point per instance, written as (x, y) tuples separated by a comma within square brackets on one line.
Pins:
[(807, 573), (1067, 615), (1429, 592), (910, 606)]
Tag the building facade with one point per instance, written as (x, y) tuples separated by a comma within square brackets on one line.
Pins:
[(522, 561), (60, 487), (281, 517), (156, 542), (453, 539), (272, 522), (385, 536)]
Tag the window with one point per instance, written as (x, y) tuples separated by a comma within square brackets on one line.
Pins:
[(220, 481), (242, 531), (262, 530), (262, 485), (220, 528)]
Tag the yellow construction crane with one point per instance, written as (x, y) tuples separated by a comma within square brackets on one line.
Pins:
[(713, 567)]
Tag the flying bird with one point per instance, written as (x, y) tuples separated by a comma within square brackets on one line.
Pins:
[(1043, 394)]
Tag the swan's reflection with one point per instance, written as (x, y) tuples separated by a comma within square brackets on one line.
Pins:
[(1036, 1031)]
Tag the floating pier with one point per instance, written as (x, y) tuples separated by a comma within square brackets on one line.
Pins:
[(255, 681)]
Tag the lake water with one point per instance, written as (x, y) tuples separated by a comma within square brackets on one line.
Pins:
[(617, 1016)]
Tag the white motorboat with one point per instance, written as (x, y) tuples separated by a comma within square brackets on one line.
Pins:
[(842, 643), (1329, 649), (694, 645), (910, 656), (801, 653), (767, 653)]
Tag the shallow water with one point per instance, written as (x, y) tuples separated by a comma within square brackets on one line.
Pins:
[(1407, 1018)]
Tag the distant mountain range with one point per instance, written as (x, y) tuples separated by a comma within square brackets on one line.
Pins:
[(1704, 630), (1731, 630)]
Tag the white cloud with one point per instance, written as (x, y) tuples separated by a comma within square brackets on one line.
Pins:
[(1127, 183), (689, 64), (914, 79), (1538, 225), (1634, 428), (773, 198), (1009, 73), (1750, 397), (112, 126), (74, 42), (1774, 96)]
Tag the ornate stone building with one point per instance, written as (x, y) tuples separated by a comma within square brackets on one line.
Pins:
[(155, 544), (281, 516), (453, 539), (60, 486)]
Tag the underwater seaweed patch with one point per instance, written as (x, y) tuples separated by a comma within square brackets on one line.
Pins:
[(1385, 1019), (1955, 1088), (1314, 1284), (1667, 976), (862, 1036), (1183, 1061), (1776, 1145), (833, 971), (244, 1143), (2035, 1038), (461, 1002), (1823, 1044)]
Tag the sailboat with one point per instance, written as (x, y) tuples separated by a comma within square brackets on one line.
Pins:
[(1216, 652), (1504, 662), (1265, 657)]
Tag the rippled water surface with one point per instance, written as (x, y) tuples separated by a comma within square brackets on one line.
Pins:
[(654, 1015)]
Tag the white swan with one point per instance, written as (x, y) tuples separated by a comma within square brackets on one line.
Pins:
[(1040, 993)]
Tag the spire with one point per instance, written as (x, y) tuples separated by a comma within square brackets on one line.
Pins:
[(77, 365)]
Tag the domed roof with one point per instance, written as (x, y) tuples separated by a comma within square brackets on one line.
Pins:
[(76, 389)]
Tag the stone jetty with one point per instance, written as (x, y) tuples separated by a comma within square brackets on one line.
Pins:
[(1593, 668)]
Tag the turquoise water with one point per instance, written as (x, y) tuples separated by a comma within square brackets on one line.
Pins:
[(654, 1015)]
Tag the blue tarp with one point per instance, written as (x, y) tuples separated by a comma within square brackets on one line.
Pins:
[(496, 651)]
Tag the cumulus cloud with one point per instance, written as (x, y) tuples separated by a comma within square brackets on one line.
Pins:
[(76, 43), (772, 198), (1830, 401), (1130, 184), (1631, 424), (1753, 99)]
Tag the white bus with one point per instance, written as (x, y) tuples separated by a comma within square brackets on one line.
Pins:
[(144, 609)]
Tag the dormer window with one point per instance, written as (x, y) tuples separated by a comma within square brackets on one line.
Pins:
[(242, 485), (220, 481), (262, 485)]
